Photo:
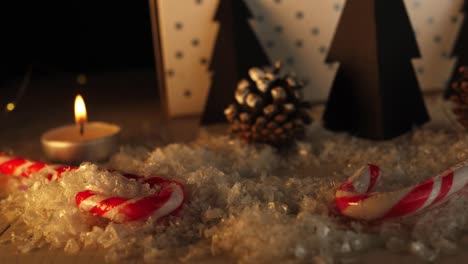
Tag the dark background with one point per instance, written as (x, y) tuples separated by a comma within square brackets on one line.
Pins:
[(109, 41)]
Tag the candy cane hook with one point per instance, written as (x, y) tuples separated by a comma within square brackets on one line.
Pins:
[(355, 197)]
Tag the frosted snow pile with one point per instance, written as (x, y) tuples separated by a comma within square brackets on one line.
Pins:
[(249, 203)]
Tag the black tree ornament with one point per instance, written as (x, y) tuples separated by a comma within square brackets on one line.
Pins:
[(375, 93), (237, 49), (460, 51)]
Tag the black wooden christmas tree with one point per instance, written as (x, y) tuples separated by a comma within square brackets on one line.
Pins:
[(460, 51), (375, 93), (237, 49)]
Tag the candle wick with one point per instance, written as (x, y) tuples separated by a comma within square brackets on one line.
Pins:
[(81, 128)]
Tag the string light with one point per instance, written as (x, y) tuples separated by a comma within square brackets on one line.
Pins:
[(82, 79), (10, 107)]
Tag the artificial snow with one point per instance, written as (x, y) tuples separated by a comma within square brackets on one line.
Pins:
[(253, 204)]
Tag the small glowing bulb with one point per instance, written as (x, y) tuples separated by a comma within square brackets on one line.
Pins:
[(10, 106), (82, 79)]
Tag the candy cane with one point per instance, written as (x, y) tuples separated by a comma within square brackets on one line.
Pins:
[(20, 167), (355, 199), (120, 209), (167, 200)]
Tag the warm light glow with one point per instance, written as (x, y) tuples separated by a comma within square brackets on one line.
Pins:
[(80, 110), (10, 107)]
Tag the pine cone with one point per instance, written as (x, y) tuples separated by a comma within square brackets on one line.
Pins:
[(460, 98), (269, 108)]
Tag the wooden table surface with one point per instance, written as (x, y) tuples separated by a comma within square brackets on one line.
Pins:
[(142, 125)]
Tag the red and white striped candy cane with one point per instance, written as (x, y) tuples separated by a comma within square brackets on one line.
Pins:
[(20, 167), (121, 209), (355, 197), (167, 200)]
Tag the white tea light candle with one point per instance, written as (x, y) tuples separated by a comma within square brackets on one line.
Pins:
[(72, 144)]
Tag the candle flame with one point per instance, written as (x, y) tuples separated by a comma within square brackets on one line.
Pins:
[(80, 110)]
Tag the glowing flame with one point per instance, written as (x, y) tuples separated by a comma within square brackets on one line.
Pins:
[(80, 110)]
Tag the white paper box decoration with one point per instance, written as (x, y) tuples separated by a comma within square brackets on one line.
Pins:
[(185, 34), (299, 32), (436, 24)]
